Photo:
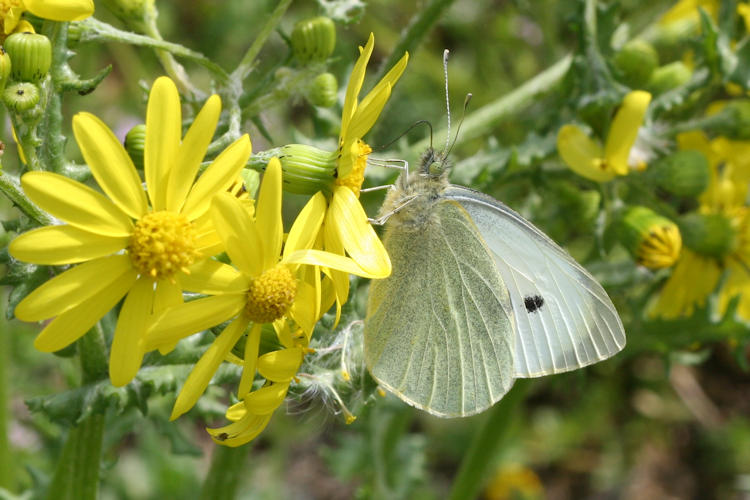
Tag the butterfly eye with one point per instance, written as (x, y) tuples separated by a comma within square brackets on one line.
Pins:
[(436, 168)]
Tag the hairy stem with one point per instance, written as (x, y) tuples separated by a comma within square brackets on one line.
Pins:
[(227, 467)]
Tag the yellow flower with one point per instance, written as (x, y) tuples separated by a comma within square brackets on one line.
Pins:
[(586, 157), (264, 287), (125, 243), (55, 10), (685, 10), (724, 211)]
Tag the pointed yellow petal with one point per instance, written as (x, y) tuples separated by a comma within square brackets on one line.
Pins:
[(126, 355), (163, 132), (236, 412), (330, 261), (265, 400), (75, 286), (186, 319), (110, 164), (73, 323), (268, 214), (206, 367), (304, 310), (389, 80), (191, 153), (281, 365), (60, 10), (76, 204), (306, 226), (252, 344), (240, 432), (217, 177), (283, 333), (212, 277), (59, 245), (238, 233), (357, 235), (624, 129), (166, 295), (366, 116), (207, 240), (355, 84), (582, 154)]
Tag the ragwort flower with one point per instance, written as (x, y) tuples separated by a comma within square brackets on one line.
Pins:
[(55, 10), (586, 157), (126, 241), (264, 287)]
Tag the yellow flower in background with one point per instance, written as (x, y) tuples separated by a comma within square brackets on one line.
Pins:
[(687, 10), (264, 284), (586, 156), (55, 10), (128, 241)]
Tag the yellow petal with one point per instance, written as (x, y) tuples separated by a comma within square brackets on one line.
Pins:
[(191, 153), (163, 132), (207, 240), (355, 83), (624, 129), (357, 235), (692, 281), (76, 204), (283, 333), (238, 233), (73, 323), (265, 400), (206, 367), (306, 226), (212, 277), (60, 10), (240, 432), (281, 365), (110, 164), (126, 354), (330, 261), (268, 214), (166, 295), (59, 245), (186, 319), (582, 154), (389, 80), (217, 177), (305, 308), (252, 345), (75, 286)]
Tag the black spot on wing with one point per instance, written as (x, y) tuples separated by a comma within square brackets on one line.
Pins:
[(533, 303)]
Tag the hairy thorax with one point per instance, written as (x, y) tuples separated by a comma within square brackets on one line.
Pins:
[(410, 203)]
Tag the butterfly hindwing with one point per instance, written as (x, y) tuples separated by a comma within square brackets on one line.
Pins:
[(564, 318), (439, 330)]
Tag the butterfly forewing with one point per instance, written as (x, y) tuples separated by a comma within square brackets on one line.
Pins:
[(564, 318), (439, 330)]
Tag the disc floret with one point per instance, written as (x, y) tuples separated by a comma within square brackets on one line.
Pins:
[(162, 244)]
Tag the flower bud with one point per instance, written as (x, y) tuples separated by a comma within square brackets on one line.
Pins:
[(653, 241), (636, 61), (31, 55), (313, 40), (323, 90), (307, 169), (683, 173), (710, 235), (21, 97), (668, 77), (135, 144), (4, 68)]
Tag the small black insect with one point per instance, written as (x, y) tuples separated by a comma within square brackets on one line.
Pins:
[(533, 303), (223, 436)]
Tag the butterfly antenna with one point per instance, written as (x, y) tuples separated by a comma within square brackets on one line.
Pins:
[(447, 99), (460, 122), (409, 129)]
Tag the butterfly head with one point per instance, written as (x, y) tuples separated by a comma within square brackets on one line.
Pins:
[(434, 164)]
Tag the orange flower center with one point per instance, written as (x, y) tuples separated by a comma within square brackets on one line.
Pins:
[(356, 177), (162, 244)]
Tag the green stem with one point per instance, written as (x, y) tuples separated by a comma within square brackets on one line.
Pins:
[(413, 35), (53, 140), (77, 472), (490, 115), (11, 188), (480, 457), (248, 60), (227, 467), (6, 458)]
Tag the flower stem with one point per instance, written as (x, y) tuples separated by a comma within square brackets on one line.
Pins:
[(227, 466), (10, 187), (248, 60), (53, 142), (6, 458), (479, 458)]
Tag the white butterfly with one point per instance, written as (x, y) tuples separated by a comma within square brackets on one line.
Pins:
[(478, 297)]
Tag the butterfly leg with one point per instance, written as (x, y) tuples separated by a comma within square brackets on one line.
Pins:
[(384, 218)]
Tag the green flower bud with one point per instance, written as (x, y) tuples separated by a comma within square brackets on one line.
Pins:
[(653, 241), (711, 235), (636, 61), (135, 143), (323, 90), (313, 40), (4, 67), (668, 77), (307, 169), (21, 97), (31, 54), (684, 173)]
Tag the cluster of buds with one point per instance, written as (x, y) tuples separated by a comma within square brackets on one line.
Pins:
[(25, 60)]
